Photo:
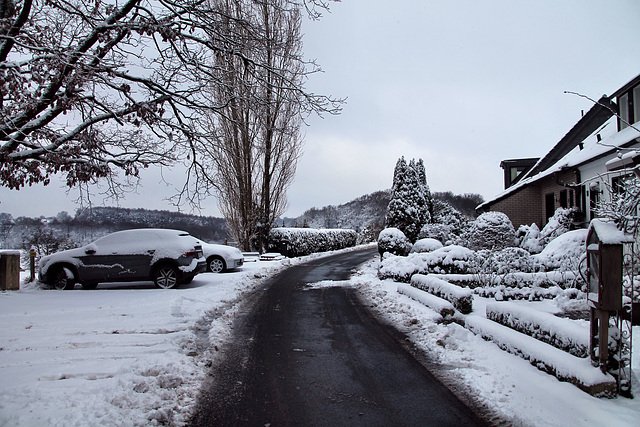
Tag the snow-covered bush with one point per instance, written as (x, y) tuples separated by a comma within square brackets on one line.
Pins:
[(305, 241), (531, 291), (461, 298), (491, 230), (393, 241), (426, 245), (441, 232), (504, 261), (445, 214), (528, 238), (564, 252), (557, 225), (447, 260)]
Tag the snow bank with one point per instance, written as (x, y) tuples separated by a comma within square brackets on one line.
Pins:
[(564, 252), (443, 307), (543, 356), (461, 298), (565, 334)]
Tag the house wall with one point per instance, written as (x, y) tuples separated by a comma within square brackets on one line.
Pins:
[(598, 181), (527, 206), (522, 207)]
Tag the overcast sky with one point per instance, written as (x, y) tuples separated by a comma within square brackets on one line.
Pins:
[(462, 84)]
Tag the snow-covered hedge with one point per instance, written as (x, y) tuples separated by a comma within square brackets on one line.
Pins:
[(441, 306), (543, 356), (447, 260), (305, 241), (516, 285), (393, 241), (568, 335), (461, 298)]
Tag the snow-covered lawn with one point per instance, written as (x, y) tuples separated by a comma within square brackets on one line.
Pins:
[(134, 355), (125, 354)]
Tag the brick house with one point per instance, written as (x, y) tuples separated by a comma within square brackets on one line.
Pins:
[(586, 165)]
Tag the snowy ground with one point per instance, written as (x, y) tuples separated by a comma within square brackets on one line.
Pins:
[(134, 355)]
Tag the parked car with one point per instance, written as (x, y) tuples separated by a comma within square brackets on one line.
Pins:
[(169, 258), (221, 258)]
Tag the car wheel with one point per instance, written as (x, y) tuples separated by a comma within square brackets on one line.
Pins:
[(89, 285), (61, 278), (166, 277), (216, 264)]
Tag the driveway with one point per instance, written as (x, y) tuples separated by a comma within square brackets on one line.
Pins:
[(313, 356)]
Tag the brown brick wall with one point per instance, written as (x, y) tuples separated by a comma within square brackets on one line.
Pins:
[(527, 205), (522, 207)]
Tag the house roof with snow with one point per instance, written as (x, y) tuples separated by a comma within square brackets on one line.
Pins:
[(594, 136)]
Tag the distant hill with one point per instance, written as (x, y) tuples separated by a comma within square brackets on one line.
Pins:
[(365, 211), (369, 211), (63, 231)]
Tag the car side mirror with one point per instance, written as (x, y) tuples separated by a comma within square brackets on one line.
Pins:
[(90, 251)]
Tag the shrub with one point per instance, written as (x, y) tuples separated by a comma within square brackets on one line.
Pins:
[(491, 230), (393, 241), (305, 241), (426, 245), (504, 261), (528, 237), (557, 225), (440, 232)]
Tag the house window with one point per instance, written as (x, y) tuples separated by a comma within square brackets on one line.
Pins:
[(623, 105), (563, 199), (617, 183), (594, 196), (572, 202), (549, 205)]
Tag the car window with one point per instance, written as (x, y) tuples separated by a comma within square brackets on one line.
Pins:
[(127, 242)]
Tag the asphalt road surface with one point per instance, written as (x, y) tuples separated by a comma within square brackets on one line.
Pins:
[(315, 357)]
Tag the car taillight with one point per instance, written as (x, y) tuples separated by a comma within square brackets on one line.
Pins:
[(192, 252)]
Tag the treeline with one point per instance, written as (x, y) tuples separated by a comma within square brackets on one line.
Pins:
[(50, 234), (368, 212)]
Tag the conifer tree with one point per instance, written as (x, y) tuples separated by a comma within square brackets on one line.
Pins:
[(408, 209)]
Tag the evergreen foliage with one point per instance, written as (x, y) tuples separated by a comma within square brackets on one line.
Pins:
[(410, 206)]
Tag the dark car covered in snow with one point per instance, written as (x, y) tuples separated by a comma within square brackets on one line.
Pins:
[(169, 258)]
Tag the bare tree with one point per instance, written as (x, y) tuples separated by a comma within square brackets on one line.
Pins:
[(254, 140), (99, 90)]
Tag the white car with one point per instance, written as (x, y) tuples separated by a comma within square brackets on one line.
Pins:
[(221, 258)]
